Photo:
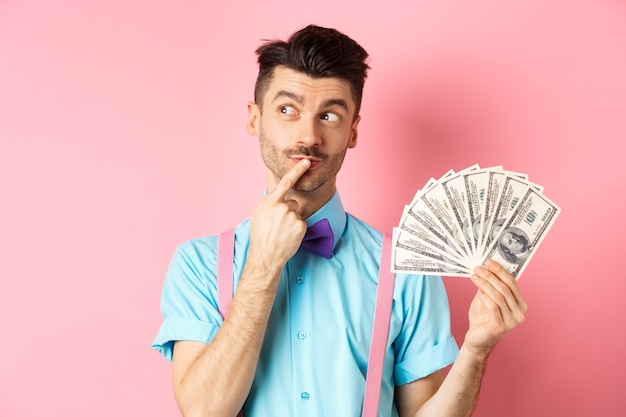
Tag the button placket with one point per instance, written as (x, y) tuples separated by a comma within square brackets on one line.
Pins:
[(301, 326)]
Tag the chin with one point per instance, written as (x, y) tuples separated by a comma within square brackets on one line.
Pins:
[(306, 187)]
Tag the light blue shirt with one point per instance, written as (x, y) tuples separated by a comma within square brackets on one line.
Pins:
[(314, 356)]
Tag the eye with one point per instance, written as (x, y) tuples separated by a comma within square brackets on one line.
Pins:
[(331, 117), (288, 110)]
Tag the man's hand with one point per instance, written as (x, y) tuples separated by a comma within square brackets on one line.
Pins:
[(497, 308), (276, 228)]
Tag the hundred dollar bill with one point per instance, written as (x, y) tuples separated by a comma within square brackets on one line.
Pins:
[(475, 190), (417, 244), (523, 231), (431, 182), (406, 262), (420, 217), (495, 183), (513, 190), (454, 188), (436, 202), (415, 227)]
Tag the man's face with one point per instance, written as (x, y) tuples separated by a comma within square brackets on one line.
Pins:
[(303, 117), (512, 242)]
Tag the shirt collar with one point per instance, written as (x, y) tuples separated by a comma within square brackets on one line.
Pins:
[(333, 211)]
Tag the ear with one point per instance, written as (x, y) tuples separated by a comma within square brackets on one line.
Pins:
[(354, 132), (254, 118)]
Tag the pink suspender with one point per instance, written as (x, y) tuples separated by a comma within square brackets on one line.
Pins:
[(225, 254), (382, 315)]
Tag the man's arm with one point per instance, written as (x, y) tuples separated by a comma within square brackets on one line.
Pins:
[(497, 308), (214, 379)]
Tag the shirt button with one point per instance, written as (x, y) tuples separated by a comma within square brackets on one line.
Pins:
[(305, 395), (300, 279), (301, 335)]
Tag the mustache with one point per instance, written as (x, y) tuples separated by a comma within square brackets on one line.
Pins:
[(305, 151)]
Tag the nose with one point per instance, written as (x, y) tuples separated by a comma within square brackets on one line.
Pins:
[(309, 132)]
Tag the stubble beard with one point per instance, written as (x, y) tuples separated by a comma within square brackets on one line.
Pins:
[(278, 162)]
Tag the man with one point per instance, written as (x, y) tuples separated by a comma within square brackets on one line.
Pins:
[(296, 338)]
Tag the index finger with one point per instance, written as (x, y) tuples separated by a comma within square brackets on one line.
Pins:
[(501, 272), (503, 276), (287, 182)]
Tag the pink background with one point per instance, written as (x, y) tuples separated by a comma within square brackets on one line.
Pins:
[(122, 134)]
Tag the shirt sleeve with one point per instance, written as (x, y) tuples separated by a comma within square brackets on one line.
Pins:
[(425, 343), (189, 298)]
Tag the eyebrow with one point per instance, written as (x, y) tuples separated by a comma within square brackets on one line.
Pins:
[(337, 102), (300, 99), (284, 93)]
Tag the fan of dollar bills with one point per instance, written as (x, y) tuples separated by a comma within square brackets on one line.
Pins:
[(464, 218)]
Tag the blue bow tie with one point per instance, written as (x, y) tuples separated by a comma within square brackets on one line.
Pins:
[(319, 238)]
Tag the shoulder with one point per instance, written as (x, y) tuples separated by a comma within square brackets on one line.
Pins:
[(198, 250), (199, 245)]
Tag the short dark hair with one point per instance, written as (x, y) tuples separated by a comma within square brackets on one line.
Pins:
[(317, 52)]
